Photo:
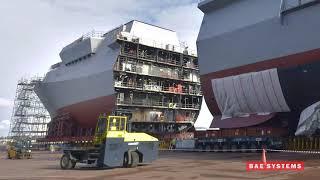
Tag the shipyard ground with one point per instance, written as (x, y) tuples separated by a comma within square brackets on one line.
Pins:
[(170, 166)]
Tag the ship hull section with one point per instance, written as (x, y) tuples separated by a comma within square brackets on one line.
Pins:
[(250, 37), (86, 113), (297, 75), (256, 41), (84, 98)]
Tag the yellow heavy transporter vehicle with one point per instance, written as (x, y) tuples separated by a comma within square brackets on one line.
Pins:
[(19, 149), (113, 146)]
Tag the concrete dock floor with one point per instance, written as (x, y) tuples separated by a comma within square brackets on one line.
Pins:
[(170, 166)]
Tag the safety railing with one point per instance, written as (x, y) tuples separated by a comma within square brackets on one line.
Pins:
[(189, 119), (287, 5), (147, 56), (160, 60), (190, 106), (190, 65), (156, 44), (124, 84), (151, 87), (93, 33), (130, 53), (195, 92), (174, 90), (156, 72), (195, 79), (157, 104), (142, 103), (129, 102), (156, 88)]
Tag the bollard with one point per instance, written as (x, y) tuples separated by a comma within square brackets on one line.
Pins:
[(264, 158)]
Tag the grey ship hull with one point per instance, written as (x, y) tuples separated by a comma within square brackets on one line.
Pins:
[(243, 38)]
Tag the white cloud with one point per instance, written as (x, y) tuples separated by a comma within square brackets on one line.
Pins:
[(5, 102), (4, 127), (5, 122)]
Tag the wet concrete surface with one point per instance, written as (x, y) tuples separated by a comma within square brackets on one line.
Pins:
[(169, 166)]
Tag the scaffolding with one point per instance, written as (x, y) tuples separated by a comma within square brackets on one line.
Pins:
[(29, 116), (159, 88)]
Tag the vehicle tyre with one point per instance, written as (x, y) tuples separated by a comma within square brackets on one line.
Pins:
[(65, 162), (126, 161), (73, 164), (134, 159)]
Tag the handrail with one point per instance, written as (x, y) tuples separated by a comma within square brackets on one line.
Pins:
[(169, 73), (93, 33), (156, 89), (286, 5), (151, 103), (156, 44), (160, 60)]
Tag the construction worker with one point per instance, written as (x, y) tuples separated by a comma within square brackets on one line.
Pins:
[(173, 143)]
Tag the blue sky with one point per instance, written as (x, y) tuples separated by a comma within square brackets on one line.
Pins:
[(33, 32)]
